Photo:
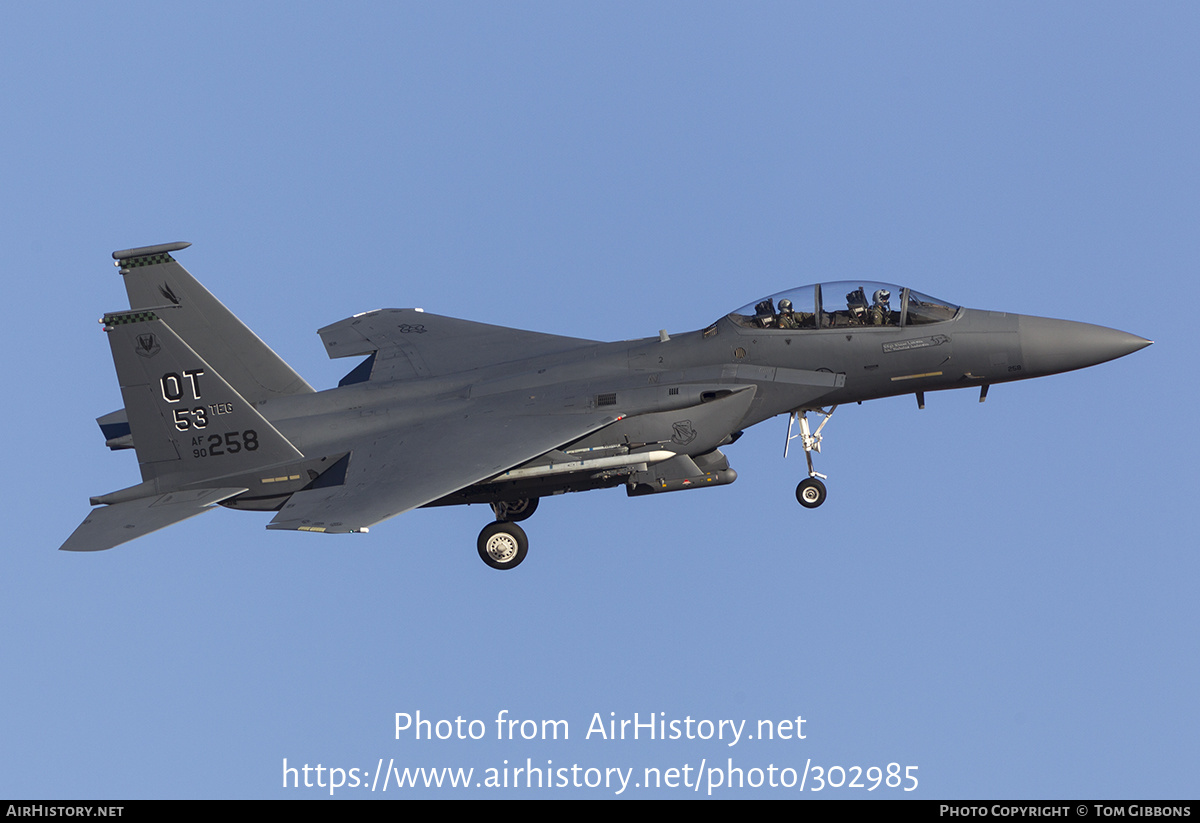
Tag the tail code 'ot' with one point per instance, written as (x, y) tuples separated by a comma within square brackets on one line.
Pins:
[(187, 422)]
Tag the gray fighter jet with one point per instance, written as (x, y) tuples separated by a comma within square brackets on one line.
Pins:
[(444, 411)]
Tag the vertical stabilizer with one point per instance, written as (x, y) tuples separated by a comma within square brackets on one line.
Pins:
[(154, 280), (188, 423)]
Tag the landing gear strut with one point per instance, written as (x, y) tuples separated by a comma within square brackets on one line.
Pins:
[(811, 491), (503, 545)]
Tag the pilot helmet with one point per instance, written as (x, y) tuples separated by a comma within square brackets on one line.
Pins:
[(785, 305), (882, 296)]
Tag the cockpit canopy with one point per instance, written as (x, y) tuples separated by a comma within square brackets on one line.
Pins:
[(841, 304)]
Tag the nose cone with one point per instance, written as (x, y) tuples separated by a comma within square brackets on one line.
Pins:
[(1053, 346)]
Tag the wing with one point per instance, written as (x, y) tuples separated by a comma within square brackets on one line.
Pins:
[(411, 343), (389, 475)]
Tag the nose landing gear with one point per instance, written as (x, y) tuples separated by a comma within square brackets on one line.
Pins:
[(811, 491)]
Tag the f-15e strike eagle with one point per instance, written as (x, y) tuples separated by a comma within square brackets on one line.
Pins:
[(444, 411)]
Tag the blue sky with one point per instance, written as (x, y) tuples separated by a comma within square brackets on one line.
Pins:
[(1002, 595)]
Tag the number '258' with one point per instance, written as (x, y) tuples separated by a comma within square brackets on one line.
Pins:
[(229, 443)]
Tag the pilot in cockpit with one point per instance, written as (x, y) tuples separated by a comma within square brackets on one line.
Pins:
[(790, 319), (881, 311), (787, 317)]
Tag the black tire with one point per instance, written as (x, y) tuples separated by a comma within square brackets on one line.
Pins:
[(502, 545), (810, 493), (514, 511)]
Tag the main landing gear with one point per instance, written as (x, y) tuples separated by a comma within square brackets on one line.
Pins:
[(811, 491), (503, 544)]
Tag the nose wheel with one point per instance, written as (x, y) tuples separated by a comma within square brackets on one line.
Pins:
[(811, 491)]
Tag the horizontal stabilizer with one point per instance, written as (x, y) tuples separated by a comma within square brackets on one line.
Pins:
[(109, 526)]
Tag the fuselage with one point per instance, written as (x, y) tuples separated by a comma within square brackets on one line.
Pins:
[(693, 392)]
